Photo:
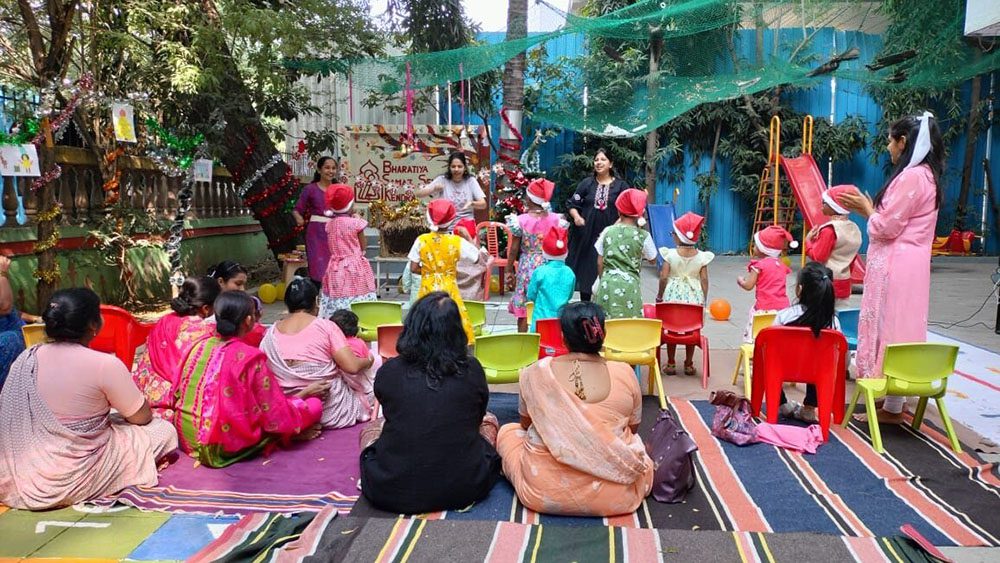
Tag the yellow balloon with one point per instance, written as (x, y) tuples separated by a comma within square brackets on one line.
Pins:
[(280, 289), (494, 284), (267, 293)]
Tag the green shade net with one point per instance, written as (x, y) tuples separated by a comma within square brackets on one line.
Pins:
[(698, 63)]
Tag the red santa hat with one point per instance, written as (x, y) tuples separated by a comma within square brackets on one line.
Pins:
[(555, 244), (771, 241), (440, 213), (687, 227), (632, 203), (339, 199), (540, 191), (831, 197)]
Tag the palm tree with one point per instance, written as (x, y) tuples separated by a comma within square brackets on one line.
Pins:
[(513, 73)]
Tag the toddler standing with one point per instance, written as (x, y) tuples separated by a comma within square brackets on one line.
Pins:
[(684, 278), (526, 243), (835, 244), (553, 282), (768, 274), (348, 276)]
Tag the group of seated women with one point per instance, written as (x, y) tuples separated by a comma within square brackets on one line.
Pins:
[(201, 387)]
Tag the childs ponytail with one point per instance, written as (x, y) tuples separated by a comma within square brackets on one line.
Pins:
[(816, 297)]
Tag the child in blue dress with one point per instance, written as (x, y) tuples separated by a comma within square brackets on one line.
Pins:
[(552, 284)]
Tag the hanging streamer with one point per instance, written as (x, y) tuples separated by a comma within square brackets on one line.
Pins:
[(350, 97), (409, 108), (461, 93)]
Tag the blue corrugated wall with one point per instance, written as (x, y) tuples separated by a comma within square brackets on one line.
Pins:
[(729, 215)]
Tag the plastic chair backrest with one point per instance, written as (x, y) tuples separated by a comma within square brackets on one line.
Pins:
[(550, 332), (529, 309), (681, 317), (632, 335), (924, 367), (476, 311), (372, 314), (120, 334), (798, 353), (762, 321), (493, 237), (388, 335), (33, 334), (507, 352), (849, 322)]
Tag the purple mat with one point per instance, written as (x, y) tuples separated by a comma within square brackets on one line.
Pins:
[(306, 476)]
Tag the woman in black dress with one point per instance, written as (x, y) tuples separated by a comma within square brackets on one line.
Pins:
[(430, 455), (591, 209)]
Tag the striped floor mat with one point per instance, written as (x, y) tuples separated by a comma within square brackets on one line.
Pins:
[(846, 489), (331, 538)]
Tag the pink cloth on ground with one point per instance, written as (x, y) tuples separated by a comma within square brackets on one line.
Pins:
[(800, 439), (97, 383), (772, 292)]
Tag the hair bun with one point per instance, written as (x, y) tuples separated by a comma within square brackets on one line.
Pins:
[(225, 327)]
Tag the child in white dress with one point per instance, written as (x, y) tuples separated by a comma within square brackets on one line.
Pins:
[(684, 278)]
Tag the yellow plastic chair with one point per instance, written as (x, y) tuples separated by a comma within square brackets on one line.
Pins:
[(910, 370), (371, 314), (33, 334), (635, 342), (504, 355), (477, 317), (745, 359), (530, 308)]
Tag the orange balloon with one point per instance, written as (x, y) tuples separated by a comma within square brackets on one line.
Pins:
[(720, 309)]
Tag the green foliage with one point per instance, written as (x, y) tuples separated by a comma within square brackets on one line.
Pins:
[(117, 233)]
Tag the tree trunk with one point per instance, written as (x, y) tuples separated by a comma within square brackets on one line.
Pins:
[(962, 207), (513, 81), (243, 129), (652, 89)]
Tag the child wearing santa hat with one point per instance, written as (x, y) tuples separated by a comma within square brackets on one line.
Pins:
[(768, 274), (435, 255), (527, 230), (835, 244), (684, 278), (552, 284), (621, 248), (349, 277)]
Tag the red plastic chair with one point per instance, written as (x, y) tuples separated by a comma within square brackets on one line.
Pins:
[(793, 354), (388, 335), (121, 334), (682, 324), (551, 343), (492, 238)]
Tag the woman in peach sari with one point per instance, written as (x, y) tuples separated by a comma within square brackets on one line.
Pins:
[(576, 450)]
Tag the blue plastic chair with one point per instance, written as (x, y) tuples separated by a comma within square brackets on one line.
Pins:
[(849, 326)]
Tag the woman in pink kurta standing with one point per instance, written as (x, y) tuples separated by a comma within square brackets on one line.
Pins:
[(901, 223)]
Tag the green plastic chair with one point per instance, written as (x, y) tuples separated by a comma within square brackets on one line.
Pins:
[(477, 317), (910, 370), (503, 355), (371, 314)]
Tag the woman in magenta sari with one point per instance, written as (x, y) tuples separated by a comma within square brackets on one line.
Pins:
[(310, 209), (901, 222), (231, 407), (156, 371)]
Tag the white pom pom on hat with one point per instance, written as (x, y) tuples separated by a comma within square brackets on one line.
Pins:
[(328, 213), (641, 222), (689, 234), (560, 244), (793, 244)]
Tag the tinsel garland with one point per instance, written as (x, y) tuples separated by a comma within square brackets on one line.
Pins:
[(186, 145), (50, 175), (249, 182), (248, 151), (51, 242), (50, 214), (293, 234), (19, 136), (48, 276), (83, 85), (270, 190)]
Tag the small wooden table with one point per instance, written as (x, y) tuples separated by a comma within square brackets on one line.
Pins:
[(288, 267)]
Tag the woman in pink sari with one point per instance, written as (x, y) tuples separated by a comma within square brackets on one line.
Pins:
[(231, 407), (59, 442), (576, 450), (304, 350), (156, 371), (901, 222)]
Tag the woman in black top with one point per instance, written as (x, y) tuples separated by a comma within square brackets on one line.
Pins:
[(430, 455), (591, 209)]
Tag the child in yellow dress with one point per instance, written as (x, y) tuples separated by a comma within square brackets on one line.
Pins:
[(435, 255)]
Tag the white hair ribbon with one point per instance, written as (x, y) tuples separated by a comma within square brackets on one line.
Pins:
[(923, 144)]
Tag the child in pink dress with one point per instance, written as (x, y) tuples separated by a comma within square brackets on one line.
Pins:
[(768, 274), (528, 229), (349, 276), (363, 382)]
